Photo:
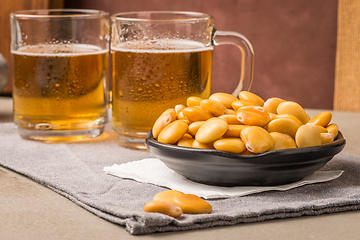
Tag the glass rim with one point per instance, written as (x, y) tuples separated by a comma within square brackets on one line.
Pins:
[(186, 16), (66, 13)]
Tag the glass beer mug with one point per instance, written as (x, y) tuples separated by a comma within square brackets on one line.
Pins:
[(60, 64), (159, 59)]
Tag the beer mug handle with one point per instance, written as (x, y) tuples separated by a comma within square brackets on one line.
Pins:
[(247, 56)]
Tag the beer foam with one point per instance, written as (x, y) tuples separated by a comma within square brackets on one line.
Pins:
[(162, 46), (59, 50)]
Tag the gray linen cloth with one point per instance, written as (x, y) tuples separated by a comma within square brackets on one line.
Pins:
[(76, 171)]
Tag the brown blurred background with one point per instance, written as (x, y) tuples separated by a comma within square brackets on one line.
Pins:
[(294, 41)]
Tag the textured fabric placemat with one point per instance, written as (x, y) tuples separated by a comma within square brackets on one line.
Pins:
[(76, 172)]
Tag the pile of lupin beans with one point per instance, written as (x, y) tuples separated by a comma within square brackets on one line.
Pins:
[(175, 203), (245, 125)]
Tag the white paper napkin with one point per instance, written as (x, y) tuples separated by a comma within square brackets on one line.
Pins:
[(152, 170)]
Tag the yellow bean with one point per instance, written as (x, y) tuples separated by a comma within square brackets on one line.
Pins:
[(211, 130), (251, 97), (197, 144), (271, 104), (192, 204), (282, 141), (230, 119), (294, 109), (272, 116), (233, 145), (256, 139), (234, 130), (180, 116), (326, 138), (308, 135), (231, 111), (194, 114), (185, 142), (291, 117), (167, 196), (283, 125), (241, 103), (247, 152), (194, 127), (179, 108), (187, 135), (333, 129), (165, 119), (193, 101), (253, 115), (322, 129), (322, 119), (214, 107), (224, 98), (166, 208), (173, 132)]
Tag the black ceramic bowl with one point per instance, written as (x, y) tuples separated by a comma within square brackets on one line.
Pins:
[(219, 168)]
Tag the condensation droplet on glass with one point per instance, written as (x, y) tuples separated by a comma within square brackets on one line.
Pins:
[(157, 85), (120, 93)]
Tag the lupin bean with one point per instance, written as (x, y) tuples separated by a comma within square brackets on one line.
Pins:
[(333, 129), (214, 107), (224, 98), (283, 125), (185, 142), (294, 109), (308, 135), (173, 132), (179, 108), (233, 145), (193, 101), (326, 138), (231, 111), (271, 104), (230, 119), (194, 127), (256, 139), (173, 203), (251, 97), (322, 129), (194, 114), (253, 115), (282, 141), (197, 144), (291, 117), (192, 204), (166, 208), (211, 130), (167, 196), (234, 130), (241, 103), (322, 119), (165, 119)]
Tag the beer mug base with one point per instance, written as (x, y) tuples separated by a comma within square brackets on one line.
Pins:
[(132, 142), (129, 138), (48, 132)]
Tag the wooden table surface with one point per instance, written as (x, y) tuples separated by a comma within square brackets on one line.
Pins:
[(29, 210)]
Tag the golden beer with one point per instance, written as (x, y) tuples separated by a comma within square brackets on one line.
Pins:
[(148, 81), (60, 87)]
